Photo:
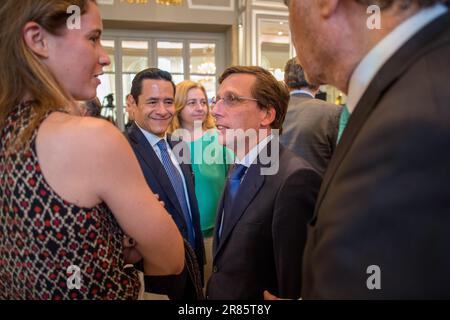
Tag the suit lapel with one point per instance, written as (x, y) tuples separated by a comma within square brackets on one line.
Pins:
[(184, 160), (252, 183), (218, 222), (249, 188), (143, 147), (388, 74)]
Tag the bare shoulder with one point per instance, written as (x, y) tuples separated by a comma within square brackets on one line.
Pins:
[(66, 134), (78, 155)]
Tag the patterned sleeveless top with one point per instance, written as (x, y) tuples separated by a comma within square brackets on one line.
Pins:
[(49, 248)]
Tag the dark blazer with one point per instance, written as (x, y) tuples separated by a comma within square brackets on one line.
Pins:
[(385, 196), (261, 249), (160, 184), (311, 129)]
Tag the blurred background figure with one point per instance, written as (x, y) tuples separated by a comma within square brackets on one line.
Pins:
[(311, 125), (108, 109), (91, 108), (209, 158), (129, 110)]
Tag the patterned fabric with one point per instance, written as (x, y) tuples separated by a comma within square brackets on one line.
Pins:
[(41, 235), (193, 270), (177, 184)]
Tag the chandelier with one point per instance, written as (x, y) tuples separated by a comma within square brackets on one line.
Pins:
[(170, 2)]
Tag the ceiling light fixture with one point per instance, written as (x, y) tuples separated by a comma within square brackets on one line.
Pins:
[(170, 2)]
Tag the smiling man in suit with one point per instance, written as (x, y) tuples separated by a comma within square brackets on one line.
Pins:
[(269, 194), (382, 220), (152, 104)]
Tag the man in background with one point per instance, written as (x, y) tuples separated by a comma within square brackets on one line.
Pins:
[(311, 125)]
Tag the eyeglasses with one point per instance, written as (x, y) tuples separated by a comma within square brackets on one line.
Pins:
[(230, 100)]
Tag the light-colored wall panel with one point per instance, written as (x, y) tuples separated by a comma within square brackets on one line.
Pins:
[(149, 11)]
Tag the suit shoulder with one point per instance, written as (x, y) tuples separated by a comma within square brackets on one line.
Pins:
[(291, 162), (326, 106)]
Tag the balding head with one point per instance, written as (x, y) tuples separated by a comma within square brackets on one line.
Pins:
[(331, 37)]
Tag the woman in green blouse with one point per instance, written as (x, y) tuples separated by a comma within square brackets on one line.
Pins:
[(195, 125)]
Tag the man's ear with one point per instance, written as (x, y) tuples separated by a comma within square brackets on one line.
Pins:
[(132, 103), (327, 7), (269, 117), (35, 38)]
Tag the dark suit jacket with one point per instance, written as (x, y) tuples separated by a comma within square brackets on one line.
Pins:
[(385, 196), (261, 249), (311, 129), (159, 182)]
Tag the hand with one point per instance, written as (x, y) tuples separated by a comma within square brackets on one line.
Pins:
[(130, 254), (161, 202), (269, 296)]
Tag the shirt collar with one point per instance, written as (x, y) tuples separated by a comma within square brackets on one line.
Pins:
[(380, 54), (253, 154), (151, 138), (294, 92)]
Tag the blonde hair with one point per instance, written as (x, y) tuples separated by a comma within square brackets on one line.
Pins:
[(22, 72), (181, 98)]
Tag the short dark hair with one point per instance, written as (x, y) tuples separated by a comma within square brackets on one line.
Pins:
[(151, 74), (294, 76), (266, 90)]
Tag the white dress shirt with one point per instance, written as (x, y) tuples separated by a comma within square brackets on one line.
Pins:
[(385, 49), (293, 92), (250, 157)]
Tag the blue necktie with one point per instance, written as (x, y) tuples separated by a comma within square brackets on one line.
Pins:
[(234, 181), (231, 188), (178, 186)]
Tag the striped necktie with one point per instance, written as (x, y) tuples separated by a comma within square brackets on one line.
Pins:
[(178, 186)]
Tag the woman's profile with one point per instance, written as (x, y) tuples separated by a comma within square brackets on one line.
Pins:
[(70, 187)]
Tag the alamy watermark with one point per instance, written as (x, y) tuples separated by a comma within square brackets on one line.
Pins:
[(74, 279), (374, 280), (74, 21), (374, 21)]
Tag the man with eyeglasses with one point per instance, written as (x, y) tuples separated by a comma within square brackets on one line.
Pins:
[(152, 106), (269, 194)]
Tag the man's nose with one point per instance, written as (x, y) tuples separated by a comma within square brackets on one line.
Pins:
[(161, 108)]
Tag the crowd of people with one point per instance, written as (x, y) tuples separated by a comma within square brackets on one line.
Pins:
[(265, 193)]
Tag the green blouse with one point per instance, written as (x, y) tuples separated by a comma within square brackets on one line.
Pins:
[(210, 162)]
